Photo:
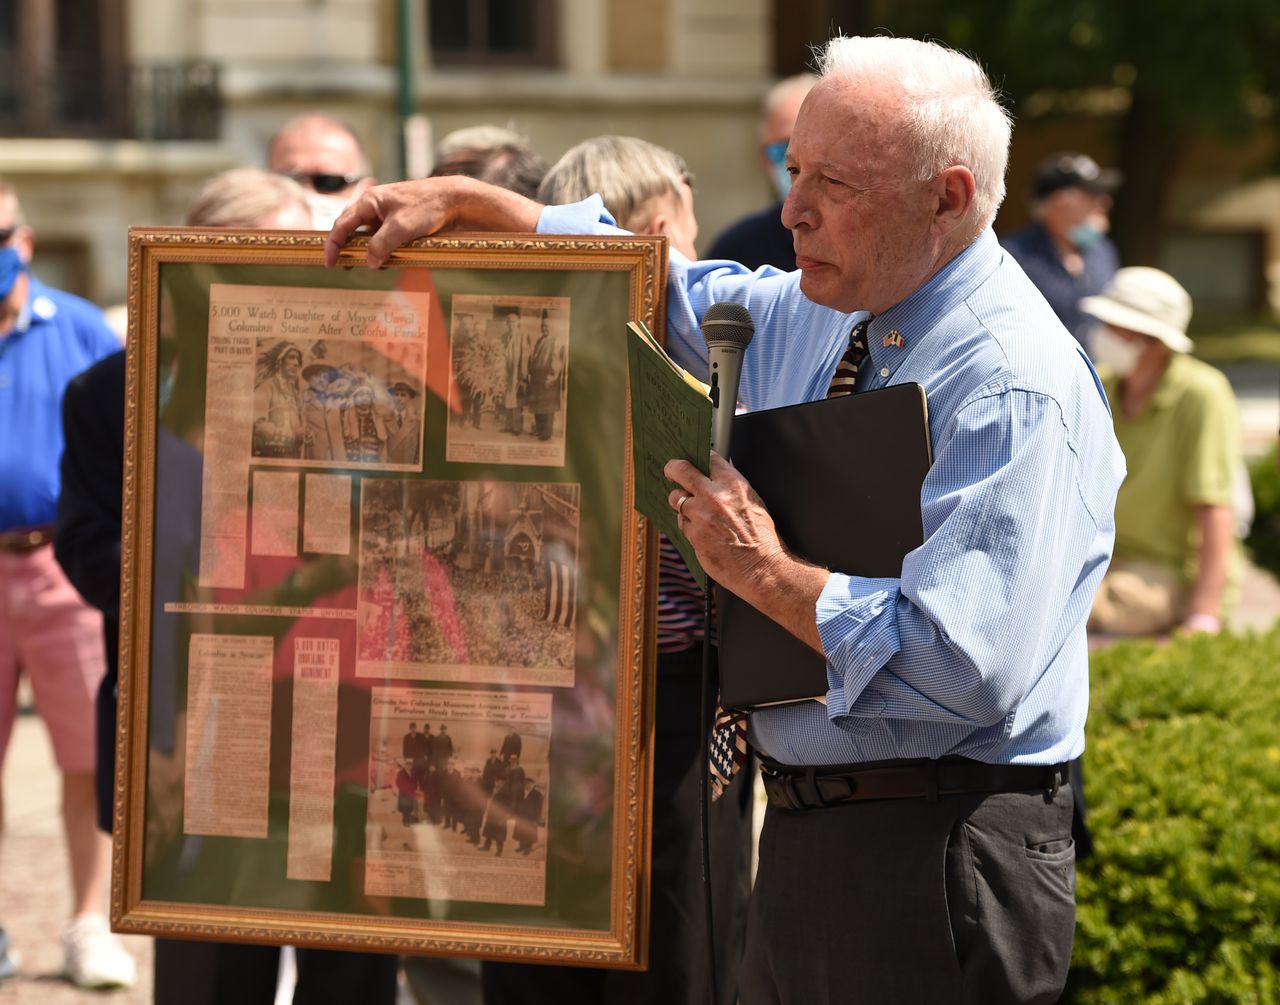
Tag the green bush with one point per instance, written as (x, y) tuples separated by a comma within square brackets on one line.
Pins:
[(1181, 900), (1263, 541)]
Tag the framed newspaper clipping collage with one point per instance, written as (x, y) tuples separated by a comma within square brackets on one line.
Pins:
[(387, 609)]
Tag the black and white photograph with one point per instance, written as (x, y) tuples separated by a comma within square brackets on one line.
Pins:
[(339, 402), (510, 368), (458, 788), (468, 581)]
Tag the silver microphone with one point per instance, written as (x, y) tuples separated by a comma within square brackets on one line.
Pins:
[(727, 329)]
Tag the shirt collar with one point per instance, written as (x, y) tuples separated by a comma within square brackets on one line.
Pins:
[(894, 334)]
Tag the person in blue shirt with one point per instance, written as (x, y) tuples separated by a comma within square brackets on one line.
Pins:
[(917, 843), (47, 632), (1065, 250)]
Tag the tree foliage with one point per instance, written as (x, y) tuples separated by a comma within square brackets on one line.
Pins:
[(1173, 69)]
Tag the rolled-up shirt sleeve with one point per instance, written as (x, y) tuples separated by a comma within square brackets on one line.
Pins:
[(957, 638)]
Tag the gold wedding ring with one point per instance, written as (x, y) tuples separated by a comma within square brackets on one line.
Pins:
[(680, 504)]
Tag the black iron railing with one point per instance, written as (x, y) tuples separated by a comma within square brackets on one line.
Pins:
[(145, 101)]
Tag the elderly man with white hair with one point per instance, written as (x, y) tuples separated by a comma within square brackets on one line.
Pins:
[(917, 845)]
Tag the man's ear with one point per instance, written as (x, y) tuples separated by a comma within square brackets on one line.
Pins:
[(954, 189)]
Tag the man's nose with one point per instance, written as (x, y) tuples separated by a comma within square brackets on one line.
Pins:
[(795, 207)]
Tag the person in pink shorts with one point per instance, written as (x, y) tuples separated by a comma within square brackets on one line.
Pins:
[(48, 634)]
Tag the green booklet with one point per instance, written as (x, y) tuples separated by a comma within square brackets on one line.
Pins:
[(670, 418)]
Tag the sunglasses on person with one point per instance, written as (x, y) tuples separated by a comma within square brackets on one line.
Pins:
[(326, 184)]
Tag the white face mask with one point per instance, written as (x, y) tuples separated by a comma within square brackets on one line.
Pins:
[(325, 209), (1116, 354)]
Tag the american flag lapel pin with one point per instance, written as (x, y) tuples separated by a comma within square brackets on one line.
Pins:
[(894, 338)]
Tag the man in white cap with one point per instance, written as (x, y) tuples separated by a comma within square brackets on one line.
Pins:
[(1176, 556)]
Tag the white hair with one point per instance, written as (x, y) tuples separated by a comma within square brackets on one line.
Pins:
[(627, 172), (952, 113)]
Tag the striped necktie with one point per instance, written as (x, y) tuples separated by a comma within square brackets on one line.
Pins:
[(847, 369), (728, 752)]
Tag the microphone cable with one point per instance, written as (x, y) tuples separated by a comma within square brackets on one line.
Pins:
[(706, 715)]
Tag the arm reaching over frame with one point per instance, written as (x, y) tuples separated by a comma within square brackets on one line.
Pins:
[(407, 210)]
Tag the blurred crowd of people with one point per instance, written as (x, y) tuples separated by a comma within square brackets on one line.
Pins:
[(1176, 562)]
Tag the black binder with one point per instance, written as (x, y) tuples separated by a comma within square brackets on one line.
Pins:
[(841, 478)]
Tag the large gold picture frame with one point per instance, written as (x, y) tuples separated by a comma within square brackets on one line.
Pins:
[(386, 607)]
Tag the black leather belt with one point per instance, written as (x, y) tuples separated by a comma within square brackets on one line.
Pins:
[(810, 788), (26, 539)]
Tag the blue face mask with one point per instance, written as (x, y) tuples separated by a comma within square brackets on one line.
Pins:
[(776, 154), (1084, 235), (11, 266)]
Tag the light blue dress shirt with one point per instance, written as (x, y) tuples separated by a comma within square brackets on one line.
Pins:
[(979, 648)]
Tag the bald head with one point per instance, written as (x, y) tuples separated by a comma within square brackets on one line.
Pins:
[(311, 145)]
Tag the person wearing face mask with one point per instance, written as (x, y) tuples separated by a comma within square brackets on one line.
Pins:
[(1065, 250), (760, 238), (325, 157), (48, 633), (1177, 555)]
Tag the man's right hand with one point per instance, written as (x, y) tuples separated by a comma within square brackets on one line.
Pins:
[(399, 213)]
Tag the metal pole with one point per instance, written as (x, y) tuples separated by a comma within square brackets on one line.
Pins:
[(405, 97)]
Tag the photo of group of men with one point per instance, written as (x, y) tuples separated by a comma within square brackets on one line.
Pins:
[(339, 401), (497, 802), (510, 373), (458, 802)]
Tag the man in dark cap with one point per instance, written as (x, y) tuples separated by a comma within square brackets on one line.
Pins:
[(1065, 250)]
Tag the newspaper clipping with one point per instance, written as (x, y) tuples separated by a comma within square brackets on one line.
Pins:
[(311, 764), (304, 377), (510, 368), (468, 581), (458, 795), (225, 788)]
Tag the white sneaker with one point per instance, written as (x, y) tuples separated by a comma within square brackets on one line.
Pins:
[(95, 957)]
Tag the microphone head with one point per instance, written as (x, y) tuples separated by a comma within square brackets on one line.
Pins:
[(727, 325)]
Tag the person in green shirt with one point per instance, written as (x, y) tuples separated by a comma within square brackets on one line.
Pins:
[(1177, 555)]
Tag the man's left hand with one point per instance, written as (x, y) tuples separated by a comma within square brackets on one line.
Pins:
[(726, 523), (738, 545)]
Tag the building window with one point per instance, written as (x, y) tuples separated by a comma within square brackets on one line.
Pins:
[(61, 68), (493, 32)]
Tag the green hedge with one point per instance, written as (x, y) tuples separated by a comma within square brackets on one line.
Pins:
[(1181, 900), (1263, 541)]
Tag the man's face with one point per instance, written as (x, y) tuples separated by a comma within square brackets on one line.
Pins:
[(291, 364), (402, 400), (319, 381), (775, 131), (861, 228), (1067, 208), (364, 398), (315, 153)]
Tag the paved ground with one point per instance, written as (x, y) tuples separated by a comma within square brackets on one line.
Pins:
[(34, 899)]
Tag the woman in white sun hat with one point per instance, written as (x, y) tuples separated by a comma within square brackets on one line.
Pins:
[(1177, 555)]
